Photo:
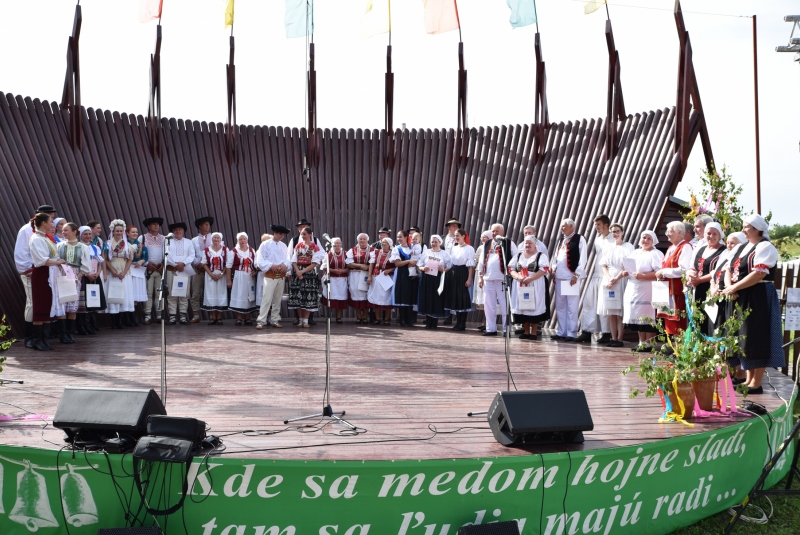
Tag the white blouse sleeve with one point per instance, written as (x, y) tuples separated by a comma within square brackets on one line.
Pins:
[(229, 256), (765, 258), (395, 255), (40, 252), (544, 263), (293, 257), (203, 259), (86, 259), (319, 256), (470, 252), (349, 258), (447, 260), (656, 260), (372, 255), (512, 264)]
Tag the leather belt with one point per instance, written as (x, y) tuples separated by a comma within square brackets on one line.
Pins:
[(271, 275)]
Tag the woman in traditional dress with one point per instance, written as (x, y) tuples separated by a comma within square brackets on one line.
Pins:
[(304, 285), (477, 290), (45, 258), (748, 283), (119, 257), (529, 269), (704, 263), (58, 234), (335, 267), (85, 317), (242, 279), (77, 258), (97, 229), (380, 299), (614, 280), (215, 286), (639, 315), (138, 274), (458, 280), (405, 256), (677, 261), (432, 265), (358, 263)]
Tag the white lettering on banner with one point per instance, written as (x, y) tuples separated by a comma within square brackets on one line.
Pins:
[(675, 503), (242, 479), (195, 476), (464, 487), (430, 529), (402, 482), (334, 490), (442, 479), (267, 483), (312, 484), (211, 525), (362, 530), (720, 448), (593, 522), (589, 469)]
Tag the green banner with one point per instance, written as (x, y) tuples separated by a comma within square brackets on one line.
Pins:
[(655, 488)]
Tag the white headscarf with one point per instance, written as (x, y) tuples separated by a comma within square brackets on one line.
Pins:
[(739, 236), (388, 240), (652, 235), (436, 237), (83, 229), (237, 236), (758, 223), (717, 226), (487, 234), (530, 238)]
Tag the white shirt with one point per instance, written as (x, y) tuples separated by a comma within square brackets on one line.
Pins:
[(200, 243), (493, 271), (441, 256), (462, 256), (181, 251), (599, 246), (22, 249), (155, 252), (414, 251), (271, 253), (684, 262), (449, 242), (41, 249), (559, 266)]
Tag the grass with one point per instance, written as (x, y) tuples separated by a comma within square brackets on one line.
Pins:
[(785, 518)]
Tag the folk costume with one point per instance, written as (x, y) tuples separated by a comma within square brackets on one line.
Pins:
[(243, 288), (570, 260), (215, 292), (42, 249), (494, 270), (592, 320), (477, 290), (677, 261), (403, 296), (85, 323), (357, 255), (458, 298), (378, 298), (201, 242), (180, 252), (24, 265), (638, 313), (270, 257), (612, 261), (304, 293), (154, 244), (118, 255), (335, 267), (138, 278), (430, 302), (527, 266)]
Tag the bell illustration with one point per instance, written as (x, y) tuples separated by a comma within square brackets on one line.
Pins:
[(32, 508), (76, 497)]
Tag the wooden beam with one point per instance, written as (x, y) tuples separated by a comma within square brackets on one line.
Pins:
[(230, 126), (154, 103), (615, 103), (388, 155), (71, 95), (542, 114)]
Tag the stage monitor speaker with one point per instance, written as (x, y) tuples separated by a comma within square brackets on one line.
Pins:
[(495, 528), (101, 412), (539, 417)]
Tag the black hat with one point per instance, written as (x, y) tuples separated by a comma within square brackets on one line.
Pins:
[(46, 209), (150, 220), (303, 221), (204, 219), (385, 230), (182, 225), (280, 228), (415, 229), (452, 221)]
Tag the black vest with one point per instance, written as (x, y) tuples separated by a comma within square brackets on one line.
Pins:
[(574, 252)]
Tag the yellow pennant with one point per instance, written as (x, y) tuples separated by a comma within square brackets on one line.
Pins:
[(590, 6), (229, 14)]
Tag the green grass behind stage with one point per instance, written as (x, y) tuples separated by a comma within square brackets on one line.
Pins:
[(785, 516)]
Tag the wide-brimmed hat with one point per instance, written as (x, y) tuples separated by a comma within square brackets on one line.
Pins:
[(280, 228), (415, 229), (150, 220), (46, 209), (303, 221), (386, 230), (182, 225), (452, 221), (205, 219)]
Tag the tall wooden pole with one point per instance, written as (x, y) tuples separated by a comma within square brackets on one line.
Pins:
[(755, 91)]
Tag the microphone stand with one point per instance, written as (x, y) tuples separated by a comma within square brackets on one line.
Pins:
[(327, 411), (163, 293)]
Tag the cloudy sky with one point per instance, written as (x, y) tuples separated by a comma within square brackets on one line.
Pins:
[(115, 51)]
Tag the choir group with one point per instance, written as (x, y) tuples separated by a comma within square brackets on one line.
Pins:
[(70, 274)]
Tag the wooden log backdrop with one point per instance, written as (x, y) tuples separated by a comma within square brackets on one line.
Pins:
[(114, 175)]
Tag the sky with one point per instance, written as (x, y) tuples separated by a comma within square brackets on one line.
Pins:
[(115, 49)]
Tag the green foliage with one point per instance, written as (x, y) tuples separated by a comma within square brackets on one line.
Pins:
[(787, 240), (693, 357), (5, 340), (719, 195)]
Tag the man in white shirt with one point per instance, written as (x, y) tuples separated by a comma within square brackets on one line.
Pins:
[(498, 253), (275, 265), (699, 228), (24, 265), (153, 241), (449, 240), (201, 242), (569, 267), (179, 261), (591, 321)]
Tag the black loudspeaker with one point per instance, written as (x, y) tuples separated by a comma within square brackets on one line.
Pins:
[(102, 412), (539, 417), (495, 528)]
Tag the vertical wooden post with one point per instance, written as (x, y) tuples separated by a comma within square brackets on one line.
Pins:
[(154, 104), (71, 95), (462, 133), (755, 96), (388, 157), (230, 126)]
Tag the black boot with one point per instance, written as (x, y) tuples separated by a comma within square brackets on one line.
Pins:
[(93, 328), (448, 320), (39, 338), (29, 335), (87, 323), (54, 331), (434, 323), (126, 319), (80, 324), (63, 334), (70, 327), (46, 334)]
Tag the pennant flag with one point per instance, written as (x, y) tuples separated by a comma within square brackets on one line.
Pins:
[(299, 18), (376, 18), (229, 14), (592, 5), (149, 10), (523, 12), (440, 16)]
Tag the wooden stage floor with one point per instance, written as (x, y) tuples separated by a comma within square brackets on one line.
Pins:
[(396, 385)]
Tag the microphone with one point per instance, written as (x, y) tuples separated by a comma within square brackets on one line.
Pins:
[(170, 236), (327, 238)]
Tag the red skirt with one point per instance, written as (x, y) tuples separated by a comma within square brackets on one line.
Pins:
[(336, 304), (41, 294), (379, 307), (677, 323)]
